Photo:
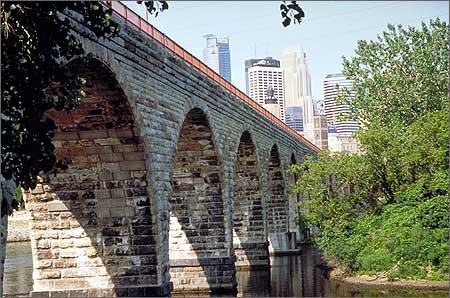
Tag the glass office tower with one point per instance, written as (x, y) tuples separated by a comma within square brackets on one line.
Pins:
[(217, 55)]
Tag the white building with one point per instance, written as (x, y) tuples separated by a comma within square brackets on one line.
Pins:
[(263, 75), (340, 139), (297, 85)]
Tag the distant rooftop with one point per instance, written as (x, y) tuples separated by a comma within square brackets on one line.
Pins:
[(334, 75)]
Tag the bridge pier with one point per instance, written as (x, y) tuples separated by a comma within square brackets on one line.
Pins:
[(128, 205), (92, 220), (130, 291), (199, 253), (281, 244), (203, 275), (250, 245), (252, 255)]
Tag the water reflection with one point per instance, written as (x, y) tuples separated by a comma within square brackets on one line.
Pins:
[(289, 276)]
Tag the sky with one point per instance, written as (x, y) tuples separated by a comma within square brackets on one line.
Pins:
[(329, 30)]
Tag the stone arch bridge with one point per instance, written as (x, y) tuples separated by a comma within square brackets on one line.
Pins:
[(174, 177)]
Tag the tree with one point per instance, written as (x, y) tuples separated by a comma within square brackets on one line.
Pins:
[(400, 76), (385, 210), (36, 43)]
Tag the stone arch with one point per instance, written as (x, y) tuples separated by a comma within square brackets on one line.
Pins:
[(277, 205), (198, 249), (293, 234), (249, 237), (92, 230)]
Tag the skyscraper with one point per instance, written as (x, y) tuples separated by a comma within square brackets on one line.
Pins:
[(217, 55), (341, 139), (320, 138), (294, 118), (334, 110), (297, 80), (264, 78)]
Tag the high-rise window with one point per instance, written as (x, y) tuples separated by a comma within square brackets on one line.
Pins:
[(217, 55), (297, 82), (266, 74), (335, 110)]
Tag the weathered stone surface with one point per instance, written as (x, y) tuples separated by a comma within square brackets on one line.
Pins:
[(157, 172), (249, 237), (76, 239)]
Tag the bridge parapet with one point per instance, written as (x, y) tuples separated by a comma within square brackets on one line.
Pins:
[(145, 27), (178, 185)]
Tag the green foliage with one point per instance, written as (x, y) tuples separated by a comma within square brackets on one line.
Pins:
[(376, 261), (385, 211), (400, 76), (291, 11), (18, 202), (36, 42), (155, 7)]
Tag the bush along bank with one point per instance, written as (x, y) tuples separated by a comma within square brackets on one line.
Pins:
[(383, 212)]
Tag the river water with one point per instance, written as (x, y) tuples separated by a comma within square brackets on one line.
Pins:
[(289, 276)]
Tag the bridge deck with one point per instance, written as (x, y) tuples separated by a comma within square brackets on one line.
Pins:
[(134, 19)]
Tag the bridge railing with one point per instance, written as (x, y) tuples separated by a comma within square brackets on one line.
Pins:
[(134, 19)]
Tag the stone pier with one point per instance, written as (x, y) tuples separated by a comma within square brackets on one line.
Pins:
[(168, 179)]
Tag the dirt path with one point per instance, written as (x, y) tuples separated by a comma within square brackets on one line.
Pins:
[(18, 227), (374, 283)]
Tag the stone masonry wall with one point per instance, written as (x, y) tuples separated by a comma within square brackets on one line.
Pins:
[(249, 238), (293, 200), (160, 89), (197, 228), (91, 221), (277, 219), (277, 206)]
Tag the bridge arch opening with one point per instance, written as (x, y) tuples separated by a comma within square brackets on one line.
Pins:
[(92, 230), (277, 205), (198, 251), (249, 239)]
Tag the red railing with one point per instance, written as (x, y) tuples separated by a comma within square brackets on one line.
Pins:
[(133, 18)]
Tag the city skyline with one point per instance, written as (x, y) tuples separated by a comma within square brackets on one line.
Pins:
[(329, 30)]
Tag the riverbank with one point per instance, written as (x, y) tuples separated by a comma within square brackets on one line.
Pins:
[(18, 227), (365, 282)]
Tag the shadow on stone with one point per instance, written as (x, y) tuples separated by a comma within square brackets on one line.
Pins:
[(199, 255), (277, 206), (249, 239), (92, 223)]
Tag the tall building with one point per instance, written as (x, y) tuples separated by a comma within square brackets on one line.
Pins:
[(264, 78), (319, 107), (320, 138), (271, 102), (294, 118), (297, 85), (341, 139), (333, 84), (217, 55), (257, 61)]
